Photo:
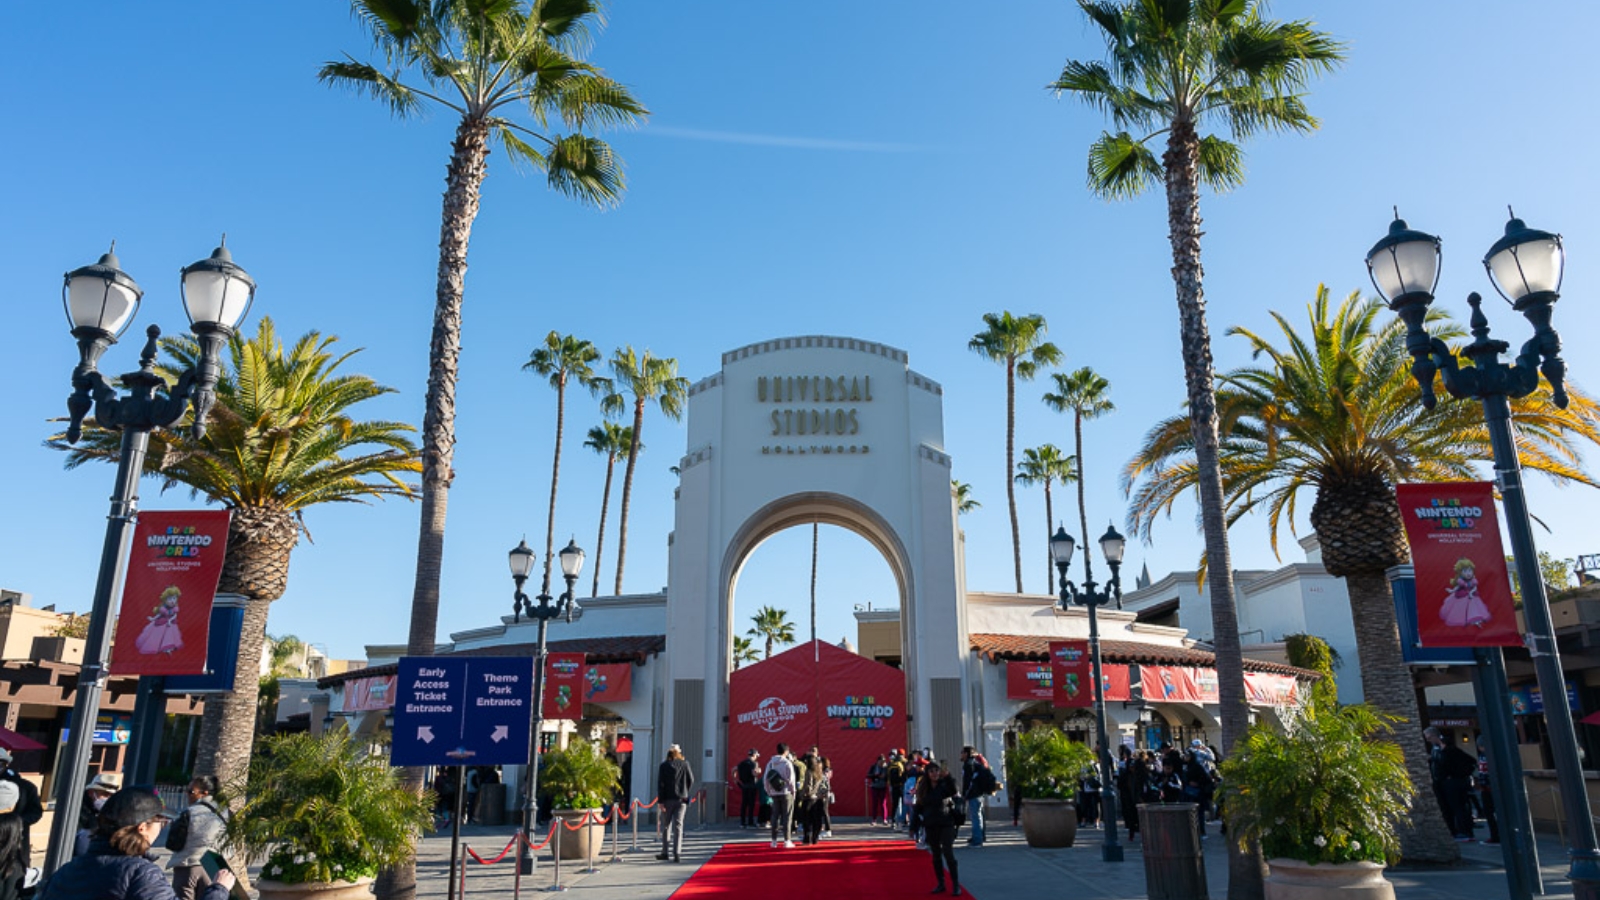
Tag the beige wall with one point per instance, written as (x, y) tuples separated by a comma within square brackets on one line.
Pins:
[(878, 640), (19, 625)]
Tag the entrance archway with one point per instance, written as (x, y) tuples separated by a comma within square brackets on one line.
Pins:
[(791, 432)]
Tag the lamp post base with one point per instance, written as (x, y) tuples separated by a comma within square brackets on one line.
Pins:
[(1111, 853), (1585, 875)]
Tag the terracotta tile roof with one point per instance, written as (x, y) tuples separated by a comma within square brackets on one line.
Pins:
[(1036, 648), (632, 648)]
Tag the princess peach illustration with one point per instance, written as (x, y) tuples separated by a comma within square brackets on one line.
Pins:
[(1462, 606), (162, 635)]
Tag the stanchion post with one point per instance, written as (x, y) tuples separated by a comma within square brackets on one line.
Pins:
[(616, 830), (461, 893), (516, 865), (556, 828), (588, 842), (633, 819)]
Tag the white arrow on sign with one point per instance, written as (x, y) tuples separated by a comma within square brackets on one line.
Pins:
[(425, 733), (500, 734)]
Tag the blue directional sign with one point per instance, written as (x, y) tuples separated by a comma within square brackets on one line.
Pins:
[(471, 711)]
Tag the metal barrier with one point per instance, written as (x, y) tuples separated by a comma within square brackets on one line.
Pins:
[(553, 837)]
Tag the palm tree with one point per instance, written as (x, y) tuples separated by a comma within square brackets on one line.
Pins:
[(1087, 395), (962, 492), (563, 358), (611, 441), (279, 441), (1044, 465), (643, 380), (285, 658), (483, 61), (774, 626), (1171, 70), (743, 651), (1334, 411), (1018, 343)]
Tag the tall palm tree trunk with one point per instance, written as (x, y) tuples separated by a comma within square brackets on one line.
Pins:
[(1049, 519), (1011, 465), (555, 480), (1245, 868), (1083, 508), (600, 539), (627, 490)]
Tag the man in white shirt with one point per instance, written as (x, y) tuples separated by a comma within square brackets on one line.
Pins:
[(778, 779)]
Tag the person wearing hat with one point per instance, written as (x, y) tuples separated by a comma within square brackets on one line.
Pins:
[(115, 863), (674, 781), (749, 777), (95, 794), (27, 805)]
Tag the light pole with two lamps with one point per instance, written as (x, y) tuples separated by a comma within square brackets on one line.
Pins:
[(1525, 266), (546, 608), (101, 301), (1112, 545)]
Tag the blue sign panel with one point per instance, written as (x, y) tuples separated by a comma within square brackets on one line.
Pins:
[(472, 711), (1404, 590)]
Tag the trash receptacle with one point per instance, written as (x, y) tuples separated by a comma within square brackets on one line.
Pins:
[(1174, 866), (491, 805)]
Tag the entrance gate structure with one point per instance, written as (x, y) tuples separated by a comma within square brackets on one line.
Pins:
[(790, 432)]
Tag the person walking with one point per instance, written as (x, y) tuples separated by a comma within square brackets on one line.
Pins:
[(810, 796), (749, 778), (897, 788), (1452, 769), (674, 782), (936, 805), (115, 864), (28, 807), (1480, 780), (95, 795), (1199, 787), (878, 792), (915, 770), (778, 779), (197, 831), (977, 783), (827, 796)]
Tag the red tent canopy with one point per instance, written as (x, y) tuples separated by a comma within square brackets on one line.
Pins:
[(16, 743)]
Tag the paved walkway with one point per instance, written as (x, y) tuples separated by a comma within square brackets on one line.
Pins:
[(993, 872)]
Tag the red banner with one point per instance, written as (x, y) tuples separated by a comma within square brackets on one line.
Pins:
[(1463, 592), (1178, 684), (1071, 674), (1270, 690), (563, 686), (1115, 680), (173, 569), (850, 707), (1029, 681), (607, 683), (368, 694)]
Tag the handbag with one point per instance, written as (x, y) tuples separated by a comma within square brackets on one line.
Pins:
[(178, 833)]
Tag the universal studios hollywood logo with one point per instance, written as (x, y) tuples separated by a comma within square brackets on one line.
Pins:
[(772, 715)]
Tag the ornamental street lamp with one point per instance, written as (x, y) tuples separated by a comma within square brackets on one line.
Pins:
[(1525, 267), (1112, 545), (101, 301), (545, 609)]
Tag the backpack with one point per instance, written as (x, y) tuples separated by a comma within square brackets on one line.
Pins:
[(178, 833), (774, 781), (983, 782)]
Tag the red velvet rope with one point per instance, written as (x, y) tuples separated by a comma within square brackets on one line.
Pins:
[(487, 862)]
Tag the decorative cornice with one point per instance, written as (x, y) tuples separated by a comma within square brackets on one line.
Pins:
[(922, 381), (815, 341), (937, 456), (693, 459), (706, 384)]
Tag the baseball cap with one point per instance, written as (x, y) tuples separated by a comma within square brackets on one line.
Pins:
[(1196, 743), (131, 806), (5, 755), (754, 752)]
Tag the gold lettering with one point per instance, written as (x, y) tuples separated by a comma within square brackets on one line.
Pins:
[(761, 389), (838, 421), (816, 389), (855, 425), (816, 422), (855, 390), (867, 397), (777, 423), (788, 421)]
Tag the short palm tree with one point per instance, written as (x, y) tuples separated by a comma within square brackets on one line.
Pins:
[(510, 71), (1334, 410), (1018, 343), (285, 658), (563, 358), (1172, 71), (1043, 466), (774, 626), (1087, 395), (962, 492), (641, 380), (743, 651), (611, 441), (279, 441)]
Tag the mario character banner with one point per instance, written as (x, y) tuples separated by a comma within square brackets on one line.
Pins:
[(1072, 674), (564, 686), (173, 570), (607, 682), (1463, 591)]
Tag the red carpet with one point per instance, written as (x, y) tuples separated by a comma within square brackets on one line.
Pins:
[(835, 870)]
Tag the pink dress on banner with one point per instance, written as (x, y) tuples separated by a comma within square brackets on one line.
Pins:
[(1463, 607), (161, 635)]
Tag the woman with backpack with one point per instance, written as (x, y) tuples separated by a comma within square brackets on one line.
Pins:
[(811, 798), (196, 832)]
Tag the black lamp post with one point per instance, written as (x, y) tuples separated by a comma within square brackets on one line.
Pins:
[(1525, 266), (101, 301), (1112, 545), (545, 609)]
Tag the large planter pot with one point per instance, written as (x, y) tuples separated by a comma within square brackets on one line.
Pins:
[(360, 889), (576, 844), (1291, 879), (1049, 823)]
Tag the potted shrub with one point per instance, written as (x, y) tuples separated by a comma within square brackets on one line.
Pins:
[(1045, 767), (323, 815), (1323, 799), (580, 779)]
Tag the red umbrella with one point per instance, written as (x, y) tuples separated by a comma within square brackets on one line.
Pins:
[(16, 743), (1591, 719)]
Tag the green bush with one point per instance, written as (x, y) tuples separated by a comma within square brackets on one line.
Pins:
[(324, 809), (579, 777), (1046, 764), (1328, 790)]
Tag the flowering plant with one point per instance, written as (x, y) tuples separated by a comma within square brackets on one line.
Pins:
[(1329, 789), (324, 809), (1046, 764)]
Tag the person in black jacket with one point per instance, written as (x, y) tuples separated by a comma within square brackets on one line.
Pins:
[(28, 805), (749, 775), (674, 781), (938, 799), (116, 865), (1452, 770)]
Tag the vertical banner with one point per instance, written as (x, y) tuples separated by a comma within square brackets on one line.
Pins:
[(1463, 592), (1072, 674), (173, 568), (563, 686)]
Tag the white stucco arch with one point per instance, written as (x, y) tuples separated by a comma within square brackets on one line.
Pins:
[(800, 430)]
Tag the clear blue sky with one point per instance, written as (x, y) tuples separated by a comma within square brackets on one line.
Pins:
[(885, 170)]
